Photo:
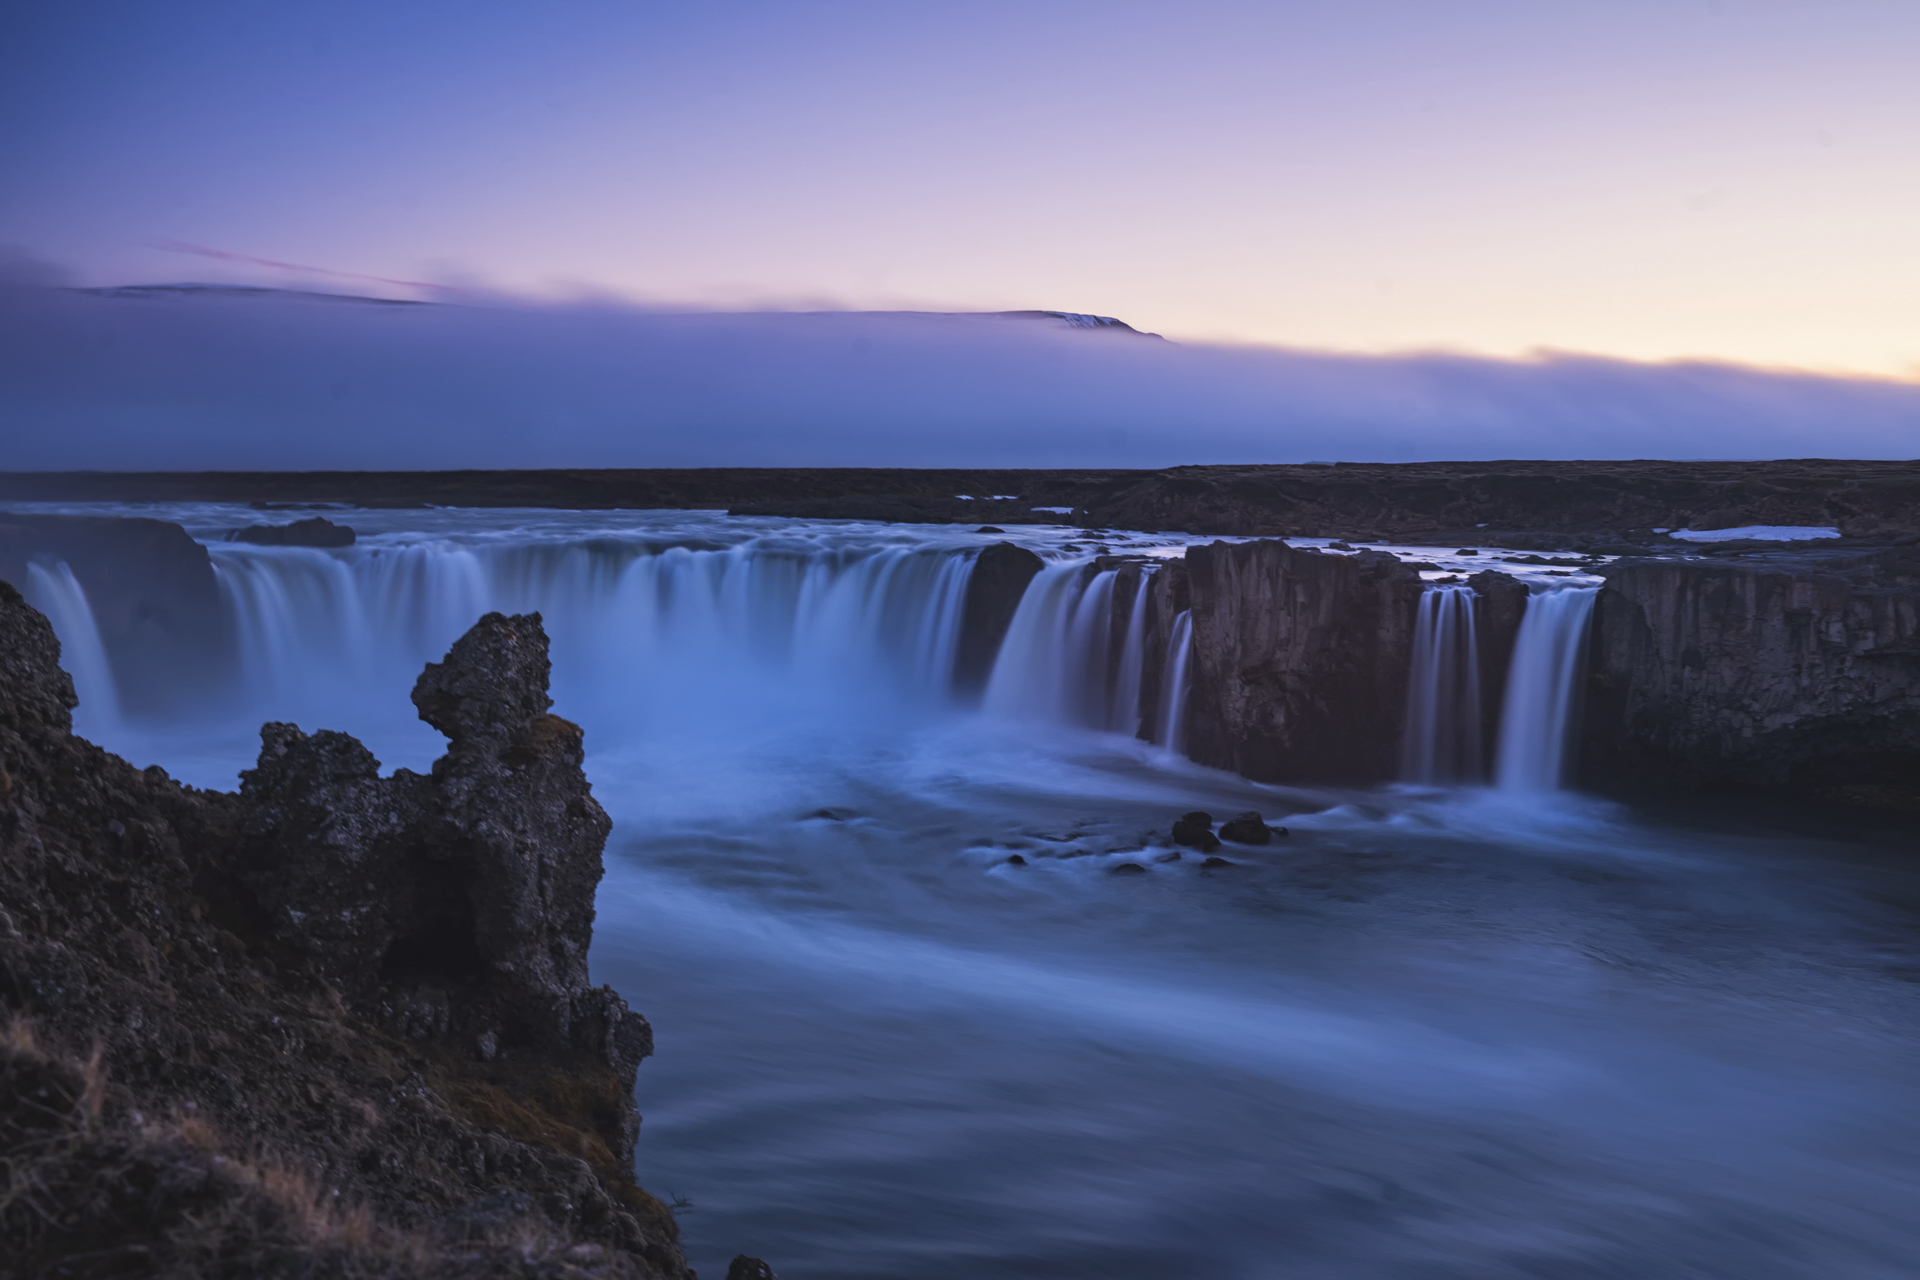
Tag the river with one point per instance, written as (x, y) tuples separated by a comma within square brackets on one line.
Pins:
[(1435, 1031)]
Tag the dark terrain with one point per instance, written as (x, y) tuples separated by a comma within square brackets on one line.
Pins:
[(1438, 500), (333, 1025)]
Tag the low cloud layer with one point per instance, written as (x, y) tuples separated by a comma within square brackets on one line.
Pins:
[(277, 382)]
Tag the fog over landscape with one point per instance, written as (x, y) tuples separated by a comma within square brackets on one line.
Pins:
[(237, 381)]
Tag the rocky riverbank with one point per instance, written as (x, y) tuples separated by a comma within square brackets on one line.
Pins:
[(333, 1025)]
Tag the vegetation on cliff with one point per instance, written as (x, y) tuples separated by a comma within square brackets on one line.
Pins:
[(334, 1025)]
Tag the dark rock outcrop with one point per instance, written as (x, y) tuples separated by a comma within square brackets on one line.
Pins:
[(335, 1025), (1778, 671), (315, 531), (153, 596), (999, 578), (1195, 831), (1246, 828), (1300, 660)]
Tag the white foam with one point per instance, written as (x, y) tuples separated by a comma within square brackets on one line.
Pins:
[(1759, 533)]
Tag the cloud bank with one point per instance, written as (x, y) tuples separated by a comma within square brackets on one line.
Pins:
[(286, 382)]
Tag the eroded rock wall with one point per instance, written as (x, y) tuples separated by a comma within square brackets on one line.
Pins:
[(1300, 660), (153, 594), (996, 582), (1801, 672)]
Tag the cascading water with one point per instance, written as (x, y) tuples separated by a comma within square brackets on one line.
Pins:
[(1173, 685), (1543, 689), (1654, 1053), (1123, 708), (58, 594), (642, 636), (1443, 742)]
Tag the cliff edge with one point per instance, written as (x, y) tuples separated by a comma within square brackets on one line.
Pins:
[(334, 1025), (1794, 671)]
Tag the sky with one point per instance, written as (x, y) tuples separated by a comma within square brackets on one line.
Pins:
[(1654, 180)]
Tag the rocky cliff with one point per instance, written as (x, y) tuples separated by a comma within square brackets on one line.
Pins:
[(1299, 661), (1797, 671), (153, 595), (998, 579), (334, 1025)]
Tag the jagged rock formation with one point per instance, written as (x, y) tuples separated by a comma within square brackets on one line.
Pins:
[(152, 592), (1000, 576), (1796, 671), (335, 1025), (315, 531), (1300, 660)]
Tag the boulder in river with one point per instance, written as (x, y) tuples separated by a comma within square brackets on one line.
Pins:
[(1246, 828), (316, 531), (1195, 831)]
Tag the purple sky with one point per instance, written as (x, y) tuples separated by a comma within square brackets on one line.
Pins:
[(1733, 179)]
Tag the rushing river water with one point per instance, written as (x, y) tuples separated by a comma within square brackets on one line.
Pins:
[(1477, 1032)]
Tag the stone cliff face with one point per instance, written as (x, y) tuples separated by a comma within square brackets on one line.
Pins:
[(998, 579), (334, 1025), (152, 591), (1300, 660), (1785, 671)]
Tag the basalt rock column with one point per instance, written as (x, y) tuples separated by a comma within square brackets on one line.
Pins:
[(1299, 661), (1801, 671), (1000, 576)]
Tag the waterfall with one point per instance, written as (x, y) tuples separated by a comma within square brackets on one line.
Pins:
[(642, 635), (59, 595), (1058, 663), (1442, 743), (1123, 708), (1173, 685), (1543, 689), (1053, 664)]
